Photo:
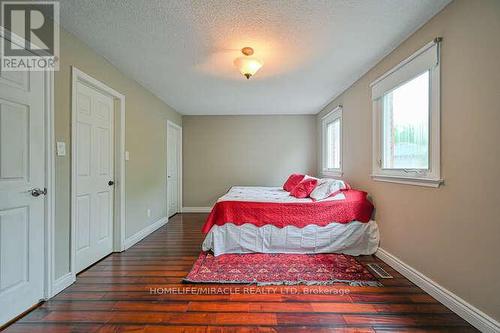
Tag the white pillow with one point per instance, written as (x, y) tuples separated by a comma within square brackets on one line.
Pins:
[(326, 187)]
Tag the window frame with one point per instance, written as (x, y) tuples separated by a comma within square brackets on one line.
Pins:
[(430, 177), (330, 117)]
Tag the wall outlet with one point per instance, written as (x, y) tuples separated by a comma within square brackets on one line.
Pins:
[(148, 212)]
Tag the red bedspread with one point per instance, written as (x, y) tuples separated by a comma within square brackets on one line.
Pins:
[(355, 207)]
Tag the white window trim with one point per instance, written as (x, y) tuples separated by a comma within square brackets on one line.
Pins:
[(431, 177), (333, 115)]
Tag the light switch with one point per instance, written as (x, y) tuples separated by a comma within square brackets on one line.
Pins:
[(61, 148), (127, 156)]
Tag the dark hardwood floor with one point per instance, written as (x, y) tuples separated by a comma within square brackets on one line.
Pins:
[(140, 290)]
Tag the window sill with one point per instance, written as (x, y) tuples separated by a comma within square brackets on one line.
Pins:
[(331, 173), (409, 180)]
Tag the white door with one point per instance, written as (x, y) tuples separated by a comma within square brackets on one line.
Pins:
[(93, 159), (174, 141), (22, 169)]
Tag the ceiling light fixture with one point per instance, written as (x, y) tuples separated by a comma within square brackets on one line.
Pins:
[(247, 65)]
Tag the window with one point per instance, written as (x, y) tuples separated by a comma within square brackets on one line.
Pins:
[(406, 125), (406, 121), (332, 143)]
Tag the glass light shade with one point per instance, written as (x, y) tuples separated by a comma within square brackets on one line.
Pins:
[(248, 66)]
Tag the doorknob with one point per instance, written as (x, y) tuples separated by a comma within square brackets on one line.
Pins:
[(111, 183), (36, 192)]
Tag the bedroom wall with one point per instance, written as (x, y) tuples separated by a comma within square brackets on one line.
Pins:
[(450, 234), (221, 151), (145, 139)]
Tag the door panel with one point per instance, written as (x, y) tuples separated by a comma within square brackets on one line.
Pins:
[(103, 156), (18, 80), (22, 168), (83, 148), (94, 167), (14, 141), (103, 211), (83, 222), (14, 269)]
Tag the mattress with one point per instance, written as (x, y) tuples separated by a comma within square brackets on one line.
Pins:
[(354, 238), (267, 194), (261, 206)]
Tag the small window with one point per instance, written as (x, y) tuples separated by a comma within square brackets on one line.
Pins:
[(406, 125), (406, 121), (332, 143)]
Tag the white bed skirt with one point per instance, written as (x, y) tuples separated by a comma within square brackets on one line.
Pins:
[(354, 238)]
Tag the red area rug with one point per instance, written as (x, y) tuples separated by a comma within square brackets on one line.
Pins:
[(278, 269)]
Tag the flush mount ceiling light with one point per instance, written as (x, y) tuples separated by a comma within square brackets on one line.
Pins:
[(247, 65)]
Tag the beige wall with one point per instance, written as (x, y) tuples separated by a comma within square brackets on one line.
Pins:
[(451, 234), (221, 151), (145, 139)]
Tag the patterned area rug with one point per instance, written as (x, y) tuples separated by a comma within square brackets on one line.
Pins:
[(280, 269)]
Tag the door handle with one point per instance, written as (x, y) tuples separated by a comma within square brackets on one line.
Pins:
[(36, 192), (111, 183)]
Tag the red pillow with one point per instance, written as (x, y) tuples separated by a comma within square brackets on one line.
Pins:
[(304, 188), (292, 181)]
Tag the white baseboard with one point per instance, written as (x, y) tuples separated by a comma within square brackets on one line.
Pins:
[(62, 283), (69, 278), (132, 240), (196, 209), (467, 311)]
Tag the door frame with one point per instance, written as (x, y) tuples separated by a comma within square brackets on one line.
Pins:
[(179, 167), (49, 281), (78, 76), (50, 184)]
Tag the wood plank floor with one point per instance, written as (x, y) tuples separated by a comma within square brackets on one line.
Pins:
[(140, 290)]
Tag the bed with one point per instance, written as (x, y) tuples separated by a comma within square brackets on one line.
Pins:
[(270, 220)]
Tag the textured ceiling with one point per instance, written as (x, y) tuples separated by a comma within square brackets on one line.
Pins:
[(183, 51)]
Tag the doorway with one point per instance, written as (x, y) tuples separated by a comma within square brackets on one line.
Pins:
[(174, 168), (98, 176)]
